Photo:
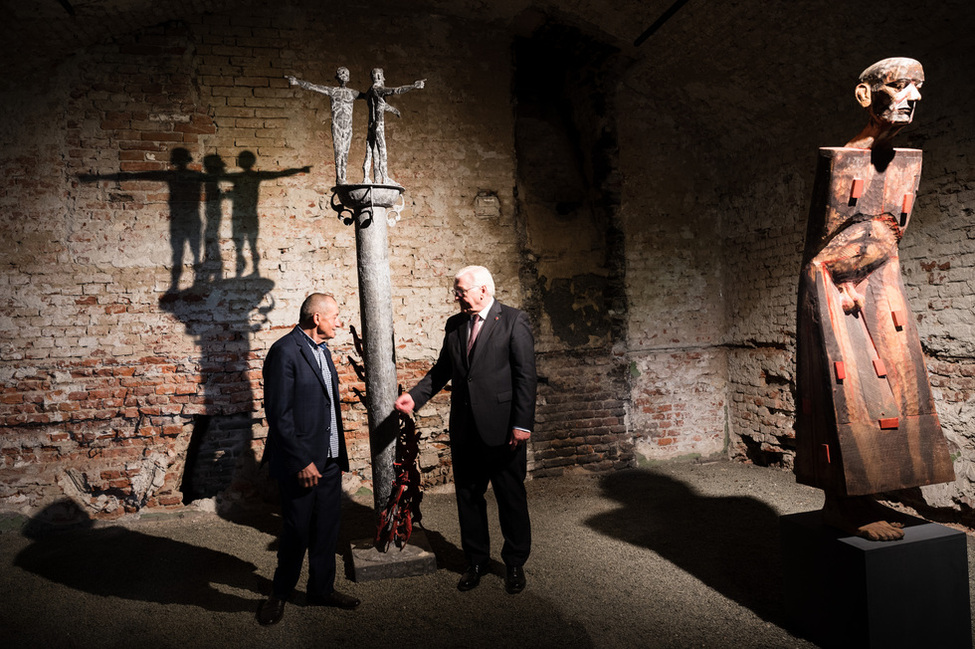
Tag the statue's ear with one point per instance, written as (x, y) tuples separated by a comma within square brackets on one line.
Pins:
[(863, 94)]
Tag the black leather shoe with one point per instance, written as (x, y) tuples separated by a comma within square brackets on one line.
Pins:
[(514, 580), (270, 611), (335, 599), (471, 577)]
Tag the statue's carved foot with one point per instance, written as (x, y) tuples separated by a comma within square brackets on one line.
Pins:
[(864, 517), (881, 531)]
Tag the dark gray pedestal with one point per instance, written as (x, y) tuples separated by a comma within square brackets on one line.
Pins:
[(844, 591), (416, 558)]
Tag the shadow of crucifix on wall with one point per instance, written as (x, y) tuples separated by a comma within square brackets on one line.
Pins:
[(219, 311)]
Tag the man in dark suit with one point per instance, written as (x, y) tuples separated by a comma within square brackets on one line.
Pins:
[(488, 355), (306, 453)]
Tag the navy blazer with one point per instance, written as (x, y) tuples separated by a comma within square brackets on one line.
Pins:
[(297, 406), (494, 391)]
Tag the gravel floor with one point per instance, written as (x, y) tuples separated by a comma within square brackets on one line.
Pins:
[(675, 555)]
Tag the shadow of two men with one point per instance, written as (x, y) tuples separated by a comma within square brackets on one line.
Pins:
[(67, 548)]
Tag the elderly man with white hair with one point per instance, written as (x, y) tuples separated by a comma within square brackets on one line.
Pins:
[(488, 356)]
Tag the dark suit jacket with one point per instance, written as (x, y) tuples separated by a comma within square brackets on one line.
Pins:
[(296, 405), (495, 391)]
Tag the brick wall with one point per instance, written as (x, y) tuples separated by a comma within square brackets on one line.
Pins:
[(581, 418), (143, 385), (646, 206)]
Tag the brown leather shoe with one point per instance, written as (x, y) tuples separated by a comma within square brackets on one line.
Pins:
[(270, 611), (335, 599)]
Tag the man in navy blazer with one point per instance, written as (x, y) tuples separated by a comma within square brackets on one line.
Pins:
[(306, 453), (488, 356)]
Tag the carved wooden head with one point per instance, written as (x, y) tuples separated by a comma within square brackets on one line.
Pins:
[(890, 90)]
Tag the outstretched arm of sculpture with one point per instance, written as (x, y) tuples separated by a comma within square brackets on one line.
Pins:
[(294, 81), (399, 90)]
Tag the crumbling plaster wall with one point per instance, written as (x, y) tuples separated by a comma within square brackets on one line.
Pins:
[(569, 202), (676, 315)]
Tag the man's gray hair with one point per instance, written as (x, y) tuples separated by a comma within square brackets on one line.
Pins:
[(480, 276)]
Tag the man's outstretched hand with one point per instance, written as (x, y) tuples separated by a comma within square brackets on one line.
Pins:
[(405, 404)]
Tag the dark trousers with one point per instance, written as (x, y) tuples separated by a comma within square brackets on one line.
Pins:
[(310, 522), (475, 465)]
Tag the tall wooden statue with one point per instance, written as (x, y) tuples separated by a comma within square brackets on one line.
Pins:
[(866, 421)]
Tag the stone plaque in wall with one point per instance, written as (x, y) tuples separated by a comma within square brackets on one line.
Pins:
[(487, 205)]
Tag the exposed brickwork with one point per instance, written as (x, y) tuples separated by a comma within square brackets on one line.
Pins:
[(679, 407), (677, 364), (581, 418), (148, 392), (569, 204), (645, 206)]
